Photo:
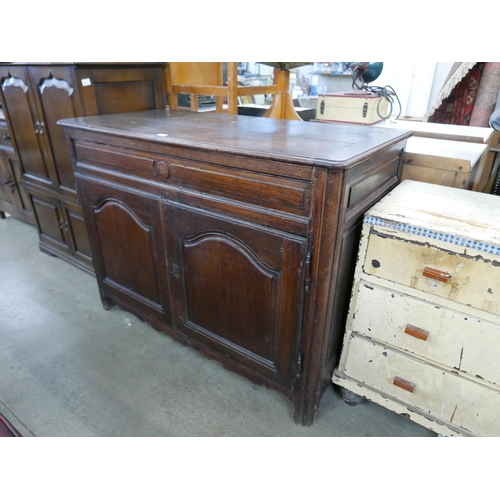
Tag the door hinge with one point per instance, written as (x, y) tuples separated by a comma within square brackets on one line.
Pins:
[(307, 272)]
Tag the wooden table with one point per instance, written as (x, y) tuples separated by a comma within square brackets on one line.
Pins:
[(282, 106)]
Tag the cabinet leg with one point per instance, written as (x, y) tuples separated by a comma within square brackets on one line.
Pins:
[(107, 303), (350, 398), (305, 420), (2, 215), (305, 412)]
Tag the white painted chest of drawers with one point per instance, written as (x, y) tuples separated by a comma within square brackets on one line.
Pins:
[(423, 330)]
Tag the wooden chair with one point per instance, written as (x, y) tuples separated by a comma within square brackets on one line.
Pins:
[(206, 78)]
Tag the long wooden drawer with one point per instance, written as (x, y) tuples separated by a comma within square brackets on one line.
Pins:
[(438, 393), (233, 182), (460, 342), (471, 280)]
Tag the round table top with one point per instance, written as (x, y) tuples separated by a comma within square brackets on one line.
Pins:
[(286, 65)]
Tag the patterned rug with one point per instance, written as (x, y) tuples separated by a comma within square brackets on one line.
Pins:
[(457, 108), (7, 429), (487, 95)]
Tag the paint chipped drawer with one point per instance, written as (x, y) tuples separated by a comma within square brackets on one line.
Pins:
[(472, 280), (458, 341), (438, 393)]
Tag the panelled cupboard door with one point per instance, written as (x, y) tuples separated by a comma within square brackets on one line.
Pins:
[(124, 228), (74, 225), (50, 223), (236, 287), (25, 210), (24, 122), (57, 98), (10, 199)]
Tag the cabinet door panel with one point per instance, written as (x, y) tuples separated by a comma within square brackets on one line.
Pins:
[(75, 227), (110, 98), (50, 222), (212, 263), (15, 86), (237, 287), (24, 201), (58, 97), (125, 236), (121, 89), (9, 192)]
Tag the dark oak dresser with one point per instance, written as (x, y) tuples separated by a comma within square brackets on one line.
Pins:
[(233, 234), (37, 170)]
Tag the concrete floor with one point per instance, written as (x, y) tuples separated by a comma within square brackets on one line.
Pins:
[(69, 368)]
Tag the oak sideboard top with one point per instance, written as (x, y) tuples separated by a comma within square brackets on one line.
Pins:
[(309, 143)]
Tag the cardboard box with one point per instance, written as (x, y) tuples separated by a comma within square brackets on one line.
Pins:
[(352, 107)]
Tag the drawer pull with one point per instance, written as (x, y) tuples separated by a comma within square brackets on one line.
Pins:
[(160, 169), (435, 274), (404, 384), (416, 332)]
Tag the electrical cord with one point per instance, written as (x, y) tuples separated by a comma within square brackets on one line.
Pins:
[(387, 93)]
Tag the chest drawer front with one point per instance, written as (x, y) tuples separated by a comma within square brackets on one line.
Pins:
[(448, 397), (233, 182), (470, 280), (455, 340)]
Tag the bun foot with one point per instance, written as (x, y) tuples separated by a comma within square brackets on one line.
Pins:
[(107, 303), (350, 398)]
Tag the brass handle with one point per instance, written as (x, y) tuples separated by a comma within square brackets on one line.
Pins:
[(404, 384), (417, 332), (435, 274)]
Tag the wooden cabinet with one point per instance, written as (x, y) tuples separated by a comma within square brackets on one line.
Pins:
[(235, 235), (35, 97), (423, 332)]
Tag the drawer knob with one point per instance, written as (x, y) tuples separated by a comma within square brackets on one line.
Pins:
[(404, 384), (435, 274), (416, 332), (160, 169)]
